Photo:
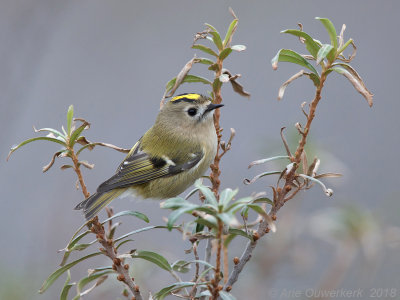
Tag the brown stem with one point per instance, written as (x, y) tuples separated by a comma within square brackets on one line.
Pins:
[(118, 264), (280, 196), (217, 277), (108, 244), (78, 172)]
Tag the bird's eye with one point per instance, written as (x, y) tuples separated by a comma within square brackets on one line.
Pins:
[(192, 111)]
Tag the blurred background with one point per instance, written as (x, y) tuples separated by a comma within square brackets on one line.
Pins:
[(111, 60)]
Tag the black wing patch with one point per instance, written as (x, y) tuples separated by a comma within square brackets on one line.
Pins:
[(139, 168)]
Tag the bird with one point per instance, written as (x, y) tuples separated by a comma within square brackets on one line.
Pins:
[(167, 159)]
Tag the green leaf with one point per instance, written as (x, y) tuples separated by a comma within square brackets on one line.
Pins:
[(226, 218), (258, 209), (293, 57), (170, 84), (160, 295), (217, 84), (153, 257), (210, 197), (323, 53), (51, 130), (263, 200), (238, 48), (224, 54), (355, 79), (175, 203), (67, 286), (123, 242), (205, 49), (70, 116), (193, 78), (311, 45), (128, 213), (214, 67), (240, 232), (177, 213), (76, 133), (181, 266), (226, 196), (216, 37), (53, 277), (137, 231), (41, 138), (226, 296), (331, 31), (210, 222), (229, 33), (265, 160), (234, 207), (86, 280), (345, 46), (206, 61), (314, 78)]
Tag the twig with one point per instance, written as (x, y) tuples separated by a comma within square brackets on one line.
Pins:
[(108, 244), (196, 275), (118, 263), (280, 193)]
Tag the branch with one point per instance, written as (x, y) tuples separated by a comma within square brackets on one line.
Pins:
[(281, 193), (118, 263)]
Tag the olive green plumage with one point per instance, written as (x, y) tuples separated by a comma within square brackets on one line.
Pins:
[(170, 156)]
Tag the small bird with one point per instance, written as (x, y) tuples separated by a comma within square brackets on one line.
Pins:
[(170, 156)]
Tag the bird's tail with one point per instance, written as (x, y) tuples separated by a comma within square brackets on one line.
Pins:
[(92, 205)]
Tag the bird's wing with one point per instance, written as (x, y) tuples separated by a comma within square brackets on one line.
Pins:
[(140, 167)]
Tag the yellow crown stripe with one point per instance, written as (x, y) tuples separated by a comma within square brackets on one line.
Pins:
[(186, 96)]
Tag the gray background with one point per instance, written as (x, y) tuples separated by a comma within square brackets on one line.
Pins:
[(111, 59)]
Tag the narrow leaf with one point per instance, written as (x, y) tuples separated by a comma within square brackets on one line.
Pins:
[(53, 277), (240, 232), (287, 55), (323, 52), (76, 133), (215, 36), (170, 84), (238, 48), (210, 197), (205, 49), (67, 286), (193, 78), (327, 191), (226, 196), (231, 30), (176, 214), (226, 296), (181, 266), (153, 257), (206, 61), (331, 30), (311, 45), (137, 231), (226, 218), (86, 280), (128, 213), (265, 160), (70, 116), (160, 295), (224, 54), (51, 130), (41, 138), (282, 89), (355, 79)]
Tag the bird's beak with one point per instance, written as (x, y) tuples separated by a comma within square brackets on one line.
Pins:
[(211, 107)]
